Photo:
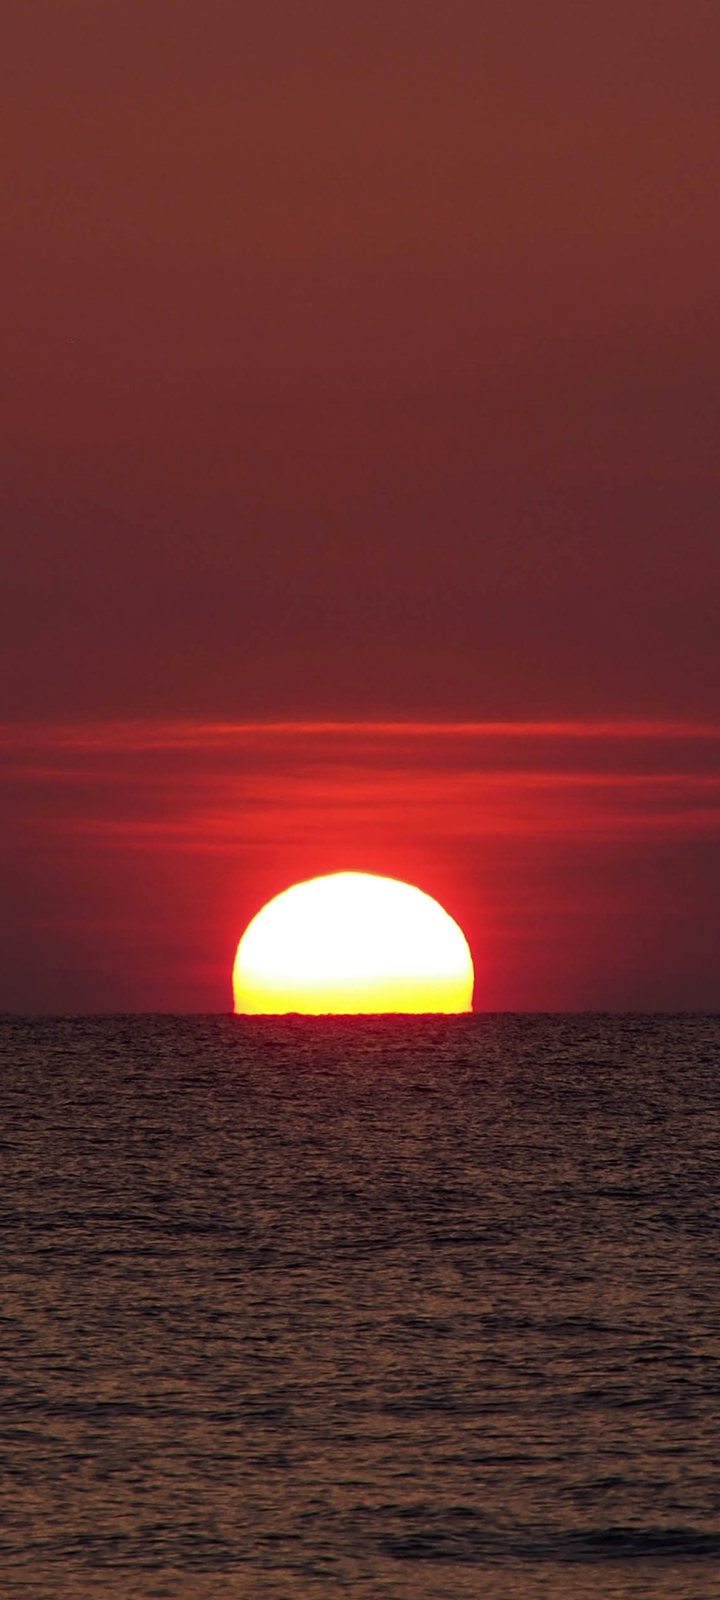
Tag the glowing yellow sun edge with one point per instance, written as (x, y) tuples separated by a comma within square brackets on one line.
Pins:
[(352, 943)]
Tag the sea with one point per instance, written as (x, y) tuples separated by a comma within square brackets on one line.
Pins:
[(420, 1308)]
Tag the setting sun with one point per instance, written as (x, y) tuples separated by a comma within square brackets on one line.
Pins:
[(352, 942)]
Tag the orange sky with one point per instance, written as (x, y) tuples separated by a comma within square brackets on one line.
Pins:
[(580, 860), (360, 361), (361, 364)]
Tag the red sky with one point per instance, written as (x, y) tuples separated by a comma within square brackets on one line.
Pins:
[(359, 363), (581, 859)]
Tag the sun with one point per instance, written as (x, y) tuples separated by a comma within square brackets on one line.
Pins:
[(352, 942)]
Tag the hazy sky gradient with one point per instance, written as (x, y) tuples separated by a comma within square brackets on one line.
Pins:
[(582, 862), (360, 361)]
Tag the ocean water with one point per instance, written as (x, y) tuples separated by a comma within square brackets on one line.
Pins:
[(400, 1307)]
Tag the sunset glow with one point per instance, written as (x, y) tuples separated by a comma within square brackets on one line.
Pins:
[(556, 845), (352, 942)]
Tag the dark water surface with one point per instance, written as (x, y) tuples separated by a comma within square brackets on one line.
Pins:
[(406, 1307)]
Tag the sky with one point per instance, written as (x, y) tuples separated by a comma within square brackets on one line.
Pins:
[(360, 367), (580, 858)]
